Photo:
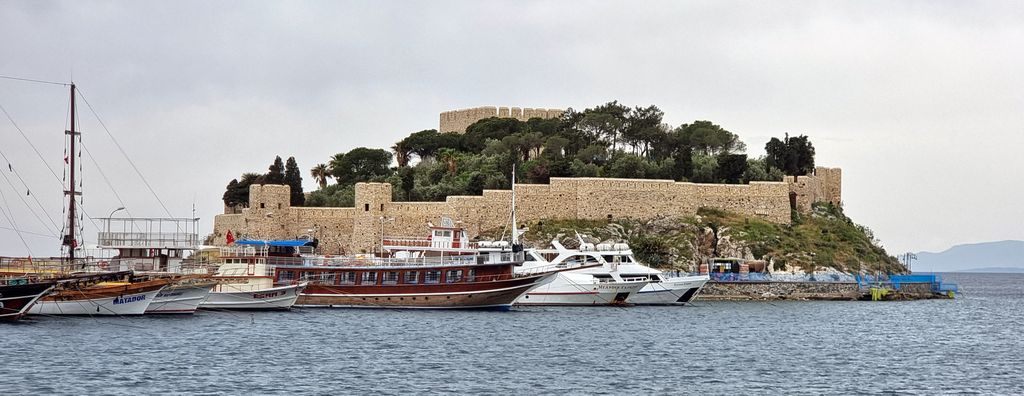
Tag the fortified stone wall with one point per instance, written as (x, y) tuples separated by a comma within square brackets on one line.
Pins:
[(459, 120), (824, 185), (358, 229)]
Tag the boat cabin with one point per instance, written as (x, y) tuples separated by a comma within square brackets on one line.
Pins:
[(147, 243)]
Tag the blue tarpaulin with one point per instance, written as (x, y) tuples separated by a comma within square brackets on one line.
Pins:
[(284, 242)]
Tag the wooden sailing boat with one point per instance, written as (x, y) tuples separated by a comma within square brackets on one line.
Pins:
[(117, 293), (17, 295)]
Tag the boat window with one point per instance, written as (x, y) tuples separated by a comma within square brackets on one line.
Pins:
[(472, 276), (583, 259), (347, 278), (529, 258), (369, 278), (608, 258), (411, 277), (390, 278), (326, 278), (432, 277), (285, 276), (627, 259), (602, 278), (453, 276)]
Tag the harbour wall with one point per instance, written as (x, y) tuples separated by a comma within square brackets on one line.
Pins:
[(358, 229), (714, 291)]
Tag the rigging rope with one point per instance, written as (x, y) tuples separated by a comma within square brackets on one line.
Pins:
[(125, 154), (34, 80), (10, 219), (30, 209), (26, 232)]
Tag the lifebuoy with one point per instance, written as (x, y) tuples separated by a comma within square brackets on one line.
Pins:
[(103, 265)]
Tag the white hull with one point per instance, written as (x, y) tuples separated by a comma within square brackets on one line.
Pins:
[(179, 299), (129, 304), (567, 289), (678, 290), (266, 299)]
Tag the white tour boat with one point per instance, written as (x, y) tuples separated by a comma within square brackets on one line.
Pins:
[(612, 282), (245, 280), (107, 298), (593, 285), (182, 297)]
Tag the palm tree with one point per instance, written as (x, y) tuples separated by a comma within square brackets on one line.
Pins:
[(336, 167), (320, 174), (402, 153), (450, 158)]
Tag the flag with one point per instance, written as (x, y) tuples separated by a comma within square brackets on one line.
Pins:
[(229, 238)]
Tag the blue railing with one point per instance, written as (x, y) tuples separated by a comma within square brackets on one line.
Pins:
[(865, 281), (895, 281), (764, 277)]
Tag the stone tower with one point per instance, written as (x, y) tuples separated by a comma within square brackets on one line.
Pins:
[(372, 202)]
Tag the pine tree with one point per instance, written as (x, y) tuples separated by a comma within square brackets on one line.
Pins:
[(276, 174), (293, 178)]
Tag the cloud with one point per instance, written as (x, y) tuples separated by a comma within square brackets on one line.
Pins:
[(918, 102)]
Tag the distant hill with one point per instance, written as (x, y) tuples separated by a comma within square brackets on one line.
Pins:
[(1002, 256)]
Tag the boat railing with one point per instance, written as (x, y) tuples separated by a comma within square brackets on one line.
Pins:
[(540, 269), (55, 266), (372, 261), (148, 240), (393, 242)]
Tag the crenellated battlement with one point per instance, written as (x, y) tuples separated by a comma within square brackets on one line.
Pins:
[(358, 229), (459, 120)]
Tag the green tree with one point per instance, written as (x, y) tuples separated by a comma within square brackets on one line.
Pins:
[(450, 158), (537, 171), (320, 174), (593, 154), (237, 191), (758, 171), (707, 138), (360, 165), (335, 195), (408, 177), (293, 178), (731, 167), (402, 153), (490, 128), (627, 166), (276, 174), (793, 155), (705, 168), (643, 129), (606, 121)]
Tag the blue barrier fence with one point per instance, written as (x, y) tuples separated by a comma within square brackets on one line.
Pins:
[(896, 281), (865, 281)]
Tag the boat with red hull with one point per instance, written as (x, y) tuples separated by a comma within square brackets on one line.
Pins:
[(16, 299), (457, 283)]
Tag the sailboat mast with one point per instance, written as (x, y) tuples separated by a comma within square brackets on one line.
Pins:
[(515, 227), (69, 240)]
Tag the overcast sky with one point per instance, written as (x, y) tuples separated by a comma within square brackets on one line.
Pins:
[(920, 103)]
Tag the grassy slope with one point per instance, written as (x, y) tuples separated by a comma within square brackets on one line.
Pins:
[(823, 238)]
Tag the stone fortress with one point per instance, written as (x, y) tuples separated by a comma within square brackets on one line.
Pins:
[(359, 229), (459, 120)]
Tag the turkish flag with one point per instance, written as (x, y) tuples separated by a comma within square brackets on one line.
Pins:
[(229, 238)]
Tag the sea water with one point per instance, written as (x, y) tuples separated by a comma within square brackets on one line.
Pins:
[(972, 344)]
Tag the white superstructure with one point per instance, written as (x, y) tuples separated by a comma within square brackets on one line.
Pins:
[(619, 278)]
